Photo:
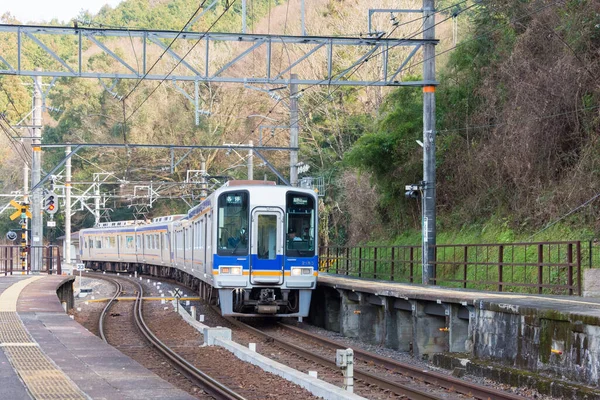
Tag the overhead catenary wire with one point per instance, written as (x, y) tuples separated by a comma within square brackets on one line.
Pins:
[(331, 99), (541, 8), (12, 143), (364, 62), (229, 5), (165, 51)]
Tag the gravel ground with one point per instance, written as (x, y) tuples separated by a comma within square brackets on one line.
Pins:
[(248, 380), (407, 358), (170, 328)]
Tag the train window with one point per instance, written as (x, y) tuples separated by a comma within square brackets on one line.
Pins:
[(99, 243), (91, 240), (300, 222), (112, 242), (233, 223), (156, 243), (129, 242), (138, 242)]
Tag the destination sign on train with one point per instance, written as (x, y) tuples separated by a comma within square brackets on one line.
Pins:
[(299, 201)]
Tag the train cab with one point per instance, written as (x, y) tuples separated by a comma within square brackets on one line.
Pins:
[(265, 260)]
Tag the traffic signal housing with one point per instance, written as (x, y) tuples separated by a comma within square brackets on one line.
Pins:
[(51, 203)]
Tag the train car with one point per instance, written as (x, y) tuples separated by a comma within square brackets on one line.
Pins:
[(250, 244)]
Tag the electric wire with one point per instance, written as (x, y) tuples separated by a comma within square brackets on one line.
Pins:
[(323, 103), (165, 51), (565, 216), (229, 5), (364, 61), (11, 141)]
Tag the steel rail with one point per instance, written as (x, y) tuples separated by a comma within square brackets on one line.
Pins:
[(216, 388), (397, 388), (434, 378), (119, 290)]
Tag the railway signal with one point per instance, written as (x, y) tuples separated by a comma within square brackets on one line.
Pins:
[(23, 213), (50, 205)]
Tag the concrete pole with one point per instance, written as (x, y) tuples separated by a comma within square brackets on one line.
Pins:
[(37, 220), (203, 187), (429, 195), (97, 198), (68, 207), (26, 194), (294, 131), (302, 10), (250, 162), (244, 16)]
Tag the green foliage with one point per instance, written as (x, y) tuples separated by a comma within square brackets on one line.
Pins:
[(390, 153)]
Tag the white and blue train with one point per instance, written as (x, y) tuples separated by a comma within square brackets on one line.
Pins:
[(251, 243)]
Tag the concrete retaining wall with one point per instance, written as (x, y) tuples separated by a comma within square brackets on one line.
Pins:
[(531, 333)]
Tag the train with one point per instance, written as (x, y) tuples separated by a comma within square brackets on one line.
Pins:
[(251, 247)]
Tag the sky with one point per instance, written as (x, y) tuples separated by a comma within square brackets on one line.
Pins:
[(44, 10)]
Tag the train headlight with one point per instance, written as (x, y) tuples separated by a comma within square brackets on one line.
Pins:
[(297, 271), (230, 270)]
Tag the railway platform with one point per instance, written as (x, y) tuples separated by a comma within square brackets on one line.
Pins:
[(555, 335), (47, 355)]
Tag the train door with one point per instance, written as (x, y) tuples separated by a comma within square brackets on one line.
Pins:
[(266, 260), (208, 251)]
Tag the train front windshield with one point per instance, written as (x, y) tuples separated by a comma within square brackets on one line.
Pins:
[(233, 224), (300, 215)]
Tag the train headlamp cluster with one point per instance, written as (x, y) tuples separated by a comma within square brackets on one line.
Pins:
[(230, 270), (297, 271)]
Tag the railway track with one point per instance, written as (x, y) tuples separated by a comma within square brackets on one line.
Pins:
[(430, 377), (365, 360), (214, 387)]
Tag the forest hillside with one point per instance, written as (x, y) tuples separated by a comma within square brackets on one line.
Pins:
[(517, 114)]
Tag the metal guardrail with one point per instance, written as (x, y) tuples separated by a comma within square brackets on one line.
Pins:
[(541, 267), (10, 262)]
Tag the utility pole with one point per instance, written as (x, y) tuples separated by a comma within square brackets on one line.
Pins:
[(429, 195), (37, 222), (294, 130), (68, 207), (250, 161), (97, 198), (302, 19), (24, 222), (244, 12), (203, 186)]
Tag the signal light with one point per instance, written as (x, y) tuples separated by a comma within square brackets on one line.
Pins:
[(49, 203)]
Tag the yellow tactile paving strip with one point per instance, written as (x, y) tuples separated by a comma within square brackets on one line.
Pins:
[(43, 379), (12, 330), (8, 298)]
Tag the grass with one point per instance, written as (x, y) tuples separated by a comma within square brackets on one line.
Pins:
[(480, 268)]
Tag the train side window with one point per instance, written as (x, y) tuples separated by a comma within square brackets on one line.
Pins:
[(156, 242), (91, 240), (300, 223)]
